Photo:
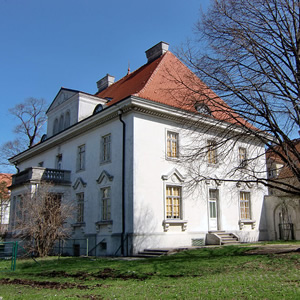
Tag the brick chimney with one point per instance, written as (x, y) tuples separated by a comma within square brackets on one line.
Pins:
[(157, 51), (105, 82)]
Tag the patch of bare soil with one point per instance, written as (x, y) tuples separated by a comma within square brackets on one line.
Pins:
[(275, 249), (102, 274), (45, 284)]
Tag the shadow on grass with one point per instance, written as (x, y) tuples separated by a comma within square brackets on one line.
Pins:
[(195, 262)]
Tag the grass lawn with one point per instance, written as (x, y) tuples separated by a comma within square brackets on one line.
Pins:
[(207, 273)]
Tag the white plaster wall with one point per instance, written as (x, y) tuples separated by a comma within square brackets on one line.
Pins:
[(80, 106), (70, 105), (145, 165), (93, 169), (150, 164)]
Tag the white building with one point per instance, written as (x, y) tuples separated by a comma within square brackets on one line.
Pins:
[(118, 154)]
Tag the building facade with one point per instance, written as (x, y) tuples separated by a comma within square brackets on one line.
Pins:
[(118, 155)]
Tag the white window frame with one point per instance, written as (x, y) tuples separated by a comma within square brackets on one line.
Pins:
[(80, 164), (80, 207), (173, 213), (106, 204), (173, 179), (242, 157), (212, 153), (172, 138), (105, 148), (245, 211), (213, 213), (58, 161)]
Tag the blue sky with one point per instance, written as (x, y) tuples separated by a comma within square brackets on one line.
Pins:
[(73, 43)]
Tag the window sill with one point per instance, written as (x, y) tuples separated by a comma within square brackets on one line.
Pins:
[(168, 222), (106, 222), (244, 222), (172, 158), (104, 162), (213, 165), (78, 224)]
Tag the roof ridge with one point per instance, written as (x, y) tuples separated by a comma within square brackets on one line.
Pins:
[(153, 74)]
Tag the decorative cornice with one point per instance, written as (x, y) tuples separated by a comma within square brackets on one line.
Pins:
[(170, 175), (79, 181), (104, 174)]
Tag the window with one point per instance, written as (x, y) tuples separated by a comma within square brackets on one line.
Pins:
[(172, 144), (67, 119), (80, 158), (20, 209), (245, 205), (202, 108), (13, 212), (212, 156), (55, 126), (106, 204), (173, 202), (80, 207), (242, 157), (58, 163), (213, 198), (106, 148), (61, 123)]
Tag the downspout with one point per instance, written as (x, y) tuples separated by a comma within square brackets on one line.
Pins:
[(120, 112)]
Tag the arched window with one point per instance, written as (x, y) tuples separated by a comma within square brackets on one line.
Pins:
[(55, 126), (67, 119), (61, 123)]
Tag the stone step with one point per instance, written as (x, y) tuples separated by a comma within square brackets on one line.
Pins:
[(230, 243), (158, 250), (153, 252), (229, 239), (222, 238)]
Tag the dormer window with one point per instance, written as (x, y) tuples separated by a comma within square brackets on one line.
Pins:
[(203, 109), (61, 123), (67, 119), (98, 109), (55, 126)]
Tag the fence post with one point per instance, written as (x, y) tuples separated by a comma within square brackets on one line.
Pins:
[(14, 256)]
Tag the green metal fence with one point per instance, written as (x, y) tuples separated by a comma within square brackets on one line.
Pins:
[(8, 251)]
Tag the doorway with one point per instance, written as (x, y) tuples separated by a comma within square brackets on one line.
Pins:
[(213, 223)]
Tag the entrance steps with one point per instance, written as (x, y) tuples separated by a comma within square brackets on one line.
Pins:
[(221, 238), (153, 252)]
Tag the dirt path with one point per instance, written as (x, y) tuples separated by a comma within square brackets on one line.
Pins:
[(275, 249)]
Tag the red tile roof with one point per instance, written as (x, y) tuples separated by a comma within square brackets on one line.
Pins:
[(4, 177), (285, 171), (168, 81)]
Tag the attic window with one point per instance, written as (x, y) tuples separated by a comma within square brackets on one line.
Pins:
[(203, 109), (97, 109)]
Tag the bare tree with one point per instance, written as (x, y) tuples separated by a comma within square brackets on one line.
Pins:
[(41, 217), (31, 117), (248, 53)]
